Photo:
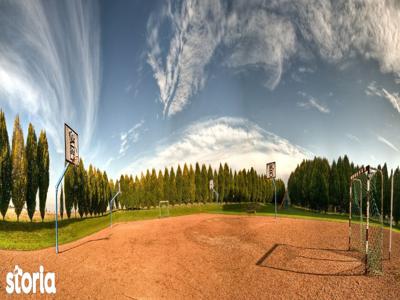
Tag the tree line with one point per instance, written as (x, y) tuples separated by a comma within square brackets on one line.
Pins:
[(86, 191), (24, 169), (191, 185), (318, 185)]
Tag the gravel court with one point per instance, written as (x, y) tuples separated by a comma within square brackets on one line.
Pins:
[(208, 256)]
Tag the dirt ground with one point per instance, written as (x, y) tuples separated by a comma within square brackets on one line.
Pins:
[(209, 256)]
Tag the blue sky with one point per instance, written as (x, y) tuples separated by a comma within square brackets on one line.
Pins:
[(155, 83)]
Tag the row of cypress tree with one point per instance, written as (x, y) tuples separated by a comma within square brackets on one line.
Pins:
[(24, 170), (191, 185), (85, 191), (318, 185)]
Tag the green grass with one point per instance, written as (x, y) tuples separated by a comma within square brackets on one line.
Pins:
[(37, 235)]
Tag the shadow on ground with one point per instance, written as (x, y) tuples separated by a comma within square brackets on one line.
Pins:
[(312, 261)]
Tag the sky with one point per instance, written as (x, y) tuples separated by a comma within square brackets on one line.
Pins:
[(150, 84)]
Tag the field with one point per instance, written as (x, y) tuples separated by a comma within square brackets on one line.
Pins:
[(212, 256)]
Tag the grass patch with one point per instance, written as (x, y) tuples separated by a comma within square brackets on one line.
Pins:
[(25, 235)]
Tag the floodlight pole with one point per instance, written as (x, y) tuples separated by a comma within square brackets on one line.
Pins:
[(111, 203), (391, 216), (56, 209)]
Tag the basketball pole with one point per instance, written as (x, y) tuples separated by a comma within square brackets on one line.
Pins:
[(56, 208)]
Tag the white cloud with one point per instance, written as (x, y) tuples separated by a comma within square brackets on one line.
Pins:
[(393, 98), (52, 71), (130, 137), (265, 35), (313, 103), (387, 143), (239, 142), (353, 138)]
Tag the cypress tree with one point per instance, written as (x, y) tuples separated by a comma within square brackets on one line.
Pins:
[(221, 183), (396, 196), (179, 185), (19, 168), (69, 183), (5, 167), (192, 187), (198, 184), (62, 203), (32, 171), (185, 184), (167, 186), (81, 192), (172, 187), (160, 187), (43, 159), (204, 184)]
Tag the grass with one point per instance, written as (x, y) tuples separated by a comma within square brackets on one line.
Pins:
[(25, 235)]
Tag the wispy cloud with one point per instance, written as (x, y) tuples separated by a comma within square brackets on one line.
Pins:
[(265, 35), (237, 141), (387, 143), (352, 137), (52, 71), (313, 103), (393, 98), (130, 137)]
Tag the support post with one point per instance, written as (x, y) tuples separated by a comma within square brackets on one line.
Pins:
[(391, 215), (56, 206), (276, 212), (367, 227), (351, 184)]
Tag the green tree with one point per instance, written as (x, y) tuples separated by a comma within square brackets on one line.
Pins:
[(221, 183), (32, 172), (198, 184), (62, 203), (185, 184), (5, 167), (81, 188), (43, 160), (179, 185), (19, 168), (166, 185), (160, 187), (204, 184), (172, 184), (192, 184), (69, 190)]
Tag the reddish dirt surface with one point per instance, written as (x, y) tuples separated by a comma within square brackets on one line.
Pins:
[(212, 257)]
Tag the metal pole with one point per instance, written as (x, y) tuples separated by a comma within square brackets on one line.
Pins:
[(273, 180), (56, 208), (367, 228), (391, 216), (351, 184)]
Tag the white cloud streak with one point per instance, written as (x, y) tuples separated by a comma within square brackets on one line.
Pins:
[(51, 72), (266, 35), (387, 143), (393, 98), (313, 103), (236, 141), (130, 137), (353, 138)]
